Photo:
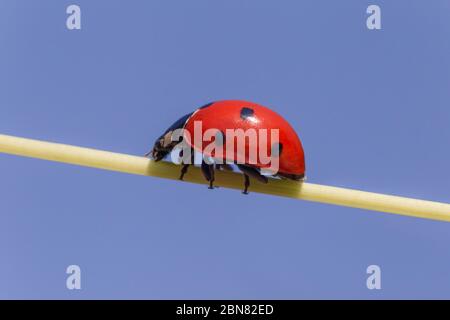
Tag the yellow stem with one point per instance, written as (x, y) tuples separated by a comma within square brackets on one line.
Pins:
[(299, 190)]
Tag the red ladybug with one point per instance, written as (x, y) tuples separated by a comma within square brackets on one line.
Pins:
[(227, 115)]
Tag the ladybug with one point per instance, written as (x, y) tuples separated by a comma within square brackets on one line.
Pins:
[(236, 114)]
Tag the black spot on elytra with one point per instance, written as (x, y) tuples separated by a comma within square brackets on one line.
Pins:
[(277, 148), (206, 105), (247, 113)]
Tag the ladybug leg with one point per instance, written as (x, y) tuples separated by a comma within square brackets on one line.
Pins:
[(208, 173), (185, 167), (246, 183), (184, 170), (212, 173), (251, 172)]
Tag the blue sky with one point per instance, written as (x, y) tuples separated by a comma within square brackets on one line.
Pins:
[(371, 108)]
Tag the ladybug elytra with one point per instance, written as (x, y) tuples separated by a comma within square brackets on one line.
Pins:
[(230, 116)]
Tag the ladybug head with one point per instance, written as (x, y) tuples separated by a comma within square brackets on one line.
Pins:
[(162, 147), (164, 144)]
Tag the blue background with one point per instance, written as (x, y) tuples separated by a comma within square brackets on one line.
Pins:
[(371, 107)]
